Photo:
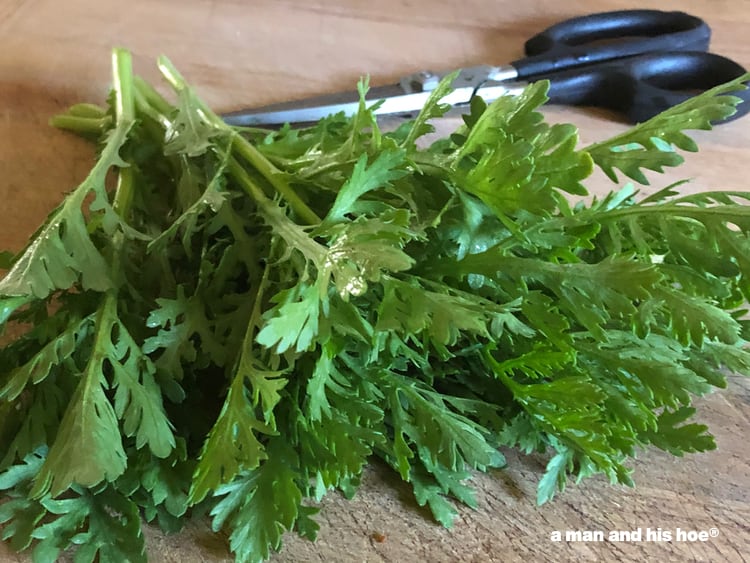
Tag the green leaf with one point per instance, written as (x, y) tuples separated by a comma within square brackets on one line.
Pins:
[(515, 113), (411, 309), (19, 515), (681, 439), (694, 319), (335, 449), (294, 321), (167, 481), (451, 482), (386, 168), (211, 200), (474, 228), (431, 110), (179, 320), (19, 518), (592, 293), (521, 432), (651, 144), (9, 305), (450, 438), (190, 132), (452, 300), (543, 315), (540, 362), (258, 507), (36, 370), (15, 475), (62, 252), (88, 447), (321, 377), (266, 385), (41, 418), (306, 526), (138, 399), (736, 358), (555, 477), (232, 445), (427, 492), (105, 525), (518, 175)]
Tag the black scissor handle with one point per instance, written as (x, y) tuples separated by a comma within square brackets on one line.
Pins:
[(644, 86), (611, 35)]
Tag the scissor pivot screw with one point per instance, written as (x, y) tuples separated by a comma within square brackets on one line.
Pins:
[(422, 81)]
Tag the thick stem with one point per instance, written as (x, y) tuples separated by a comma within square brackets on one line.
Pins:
[(272, 174), (245, 150), (244, 179), (80, 125), (122, 66), (151, 95), (124, 193), (150, 102), (124, 89)]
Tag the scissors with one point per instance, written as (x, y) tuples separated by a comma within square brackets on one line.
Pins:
[(635, 62)]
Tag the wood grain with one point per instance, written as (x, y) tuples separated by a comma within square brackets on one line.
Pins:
[(240, 53)]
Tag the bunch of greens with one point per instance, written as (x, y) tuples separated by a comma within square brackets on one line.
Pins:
[(239, 321)]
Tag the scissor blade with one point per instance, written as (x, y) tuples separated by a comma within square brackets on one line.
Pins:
[(394, 102), (384, 100), (313, 109)]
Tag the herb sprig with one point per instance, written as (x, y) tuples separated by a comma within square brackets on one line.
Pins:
[(248, 316)]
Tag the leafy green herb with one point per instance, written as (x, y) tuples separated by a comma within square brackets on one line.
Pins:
[(249, 316)]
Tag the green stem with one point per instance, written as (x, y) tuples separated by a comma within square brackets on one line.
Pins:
[(87, 110), (727, 211), (272, 174), (80, 125), (244, 149), (275, 217), (246, 182), (124, 91), (124, 88), (151, 95), (124, 192), (153, 105), (150, 102)]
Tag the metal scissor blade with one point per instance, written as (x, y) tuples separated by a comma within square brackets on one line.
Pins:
[(311, 110), (395, 101), (391, 100)]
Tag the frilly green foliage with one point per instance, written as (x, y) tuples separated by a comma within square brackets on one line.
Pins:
[(251, 315)]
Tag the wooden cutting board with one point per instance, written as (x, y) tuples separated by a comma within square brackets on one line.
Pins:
[(240, 53)]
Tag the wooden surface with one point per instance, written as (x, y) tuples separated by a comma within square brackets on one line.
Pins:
[(238, 53)]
